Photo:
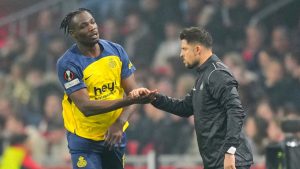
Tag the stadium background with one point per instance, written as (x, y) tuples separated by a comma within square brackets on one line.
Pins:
[(258, 39)]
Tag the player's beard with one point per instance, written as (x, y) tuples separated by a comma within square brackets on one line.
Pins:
[(90, 43)]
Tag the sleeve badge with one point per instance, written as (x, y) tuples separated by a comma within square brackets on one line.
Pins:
[(69, 75)]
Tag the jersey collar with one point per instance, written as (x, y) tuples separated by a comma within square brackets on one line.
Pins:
[(212, 58)]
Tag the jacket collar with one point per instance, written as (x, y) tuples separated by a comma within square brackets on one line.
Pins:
[(212, 58)]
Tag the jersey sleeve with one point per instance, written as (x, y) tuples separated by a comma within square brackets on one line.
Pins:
[(70, 76), (127, 67)]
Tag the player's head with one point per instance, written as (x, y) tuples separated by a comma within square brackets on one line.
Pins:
[(194, 41), (81, 25)]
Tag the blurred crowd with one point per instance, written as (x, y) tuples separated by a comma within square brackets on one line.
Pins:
[(264, 57)]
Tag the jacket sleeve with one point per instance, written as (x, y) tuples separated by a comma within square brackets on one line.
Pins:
[(223, 87), (183, 108)]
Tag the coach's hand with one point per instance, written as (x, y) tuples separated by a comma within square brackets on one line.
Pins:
[(114, 134), (229, 161)]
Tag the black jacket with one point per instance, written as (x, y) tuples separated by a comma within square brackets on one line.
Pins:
[(218, 113)]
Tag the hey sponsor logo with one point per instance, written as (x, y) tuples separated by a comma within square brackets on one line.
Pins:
[(105, 90)]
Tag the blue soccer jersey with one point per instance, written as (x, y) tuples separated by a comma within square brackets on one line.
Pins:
[(101, 76)]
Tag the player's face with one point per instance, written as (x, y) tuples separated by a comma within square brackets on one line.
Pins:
[(85, 29), (189, 54)]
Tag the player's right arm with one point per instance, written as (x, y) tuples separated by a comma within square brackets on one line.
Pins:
[(71, 77), (93, 107)]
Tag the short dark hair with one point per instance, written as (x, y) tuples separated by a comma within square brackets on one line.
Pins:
[(197, 35), (65, 23)]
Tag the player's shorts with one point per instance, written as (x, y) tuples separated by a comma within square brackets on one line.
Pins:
[(89, 154)]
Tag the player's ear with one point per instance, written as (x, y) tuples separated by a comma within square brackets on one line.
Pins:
[(72, 33)]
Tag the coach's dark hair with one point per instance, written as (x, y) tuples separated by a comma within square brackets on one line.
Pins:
[(197, 35), (65, 23)]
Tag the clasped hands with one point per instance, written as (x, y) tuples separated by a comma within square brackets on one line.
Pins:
[(142, 95)]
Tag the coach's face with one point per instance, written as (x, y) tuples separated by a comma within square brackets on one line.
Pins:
[(190, 54), (84, 29)]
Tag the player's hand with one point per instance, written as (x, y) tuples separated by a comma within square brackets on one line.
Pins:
[(143, 96), (114, 134), (139, 92), (229, 161)]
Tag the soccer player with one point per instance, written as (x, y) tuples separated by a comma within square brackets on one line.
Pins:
[(214, 102), (95, 73)]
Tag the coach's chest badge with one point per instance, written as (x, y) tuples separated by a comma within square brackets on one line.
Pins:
[(201, 86)]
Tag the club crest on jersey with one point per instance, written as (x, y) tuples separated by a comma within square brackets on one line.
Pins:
[(112, 63), (68, 75)]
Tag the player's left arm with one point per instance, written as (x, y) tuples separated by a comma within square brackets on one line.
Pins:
[(128, 83), (115, 132)]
